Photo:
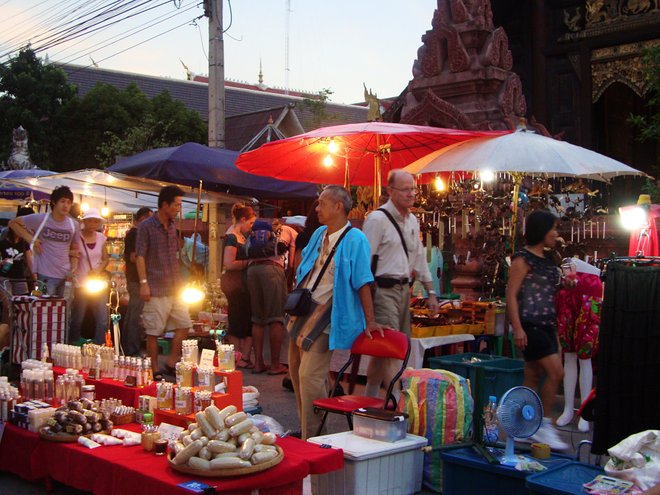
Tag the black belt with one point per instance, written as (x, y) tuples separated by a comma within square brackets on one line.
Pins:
[(388, 282)]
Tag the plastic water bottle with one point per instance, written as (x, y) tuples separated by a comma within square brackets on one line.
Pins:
[(68, 290), (491, 430)]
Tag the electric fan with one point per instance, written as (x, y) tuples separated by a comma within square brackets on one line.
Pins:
[(520, 415)]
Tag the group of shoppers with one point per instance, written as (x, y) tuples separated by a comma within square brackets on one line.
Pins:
[(361, 281)]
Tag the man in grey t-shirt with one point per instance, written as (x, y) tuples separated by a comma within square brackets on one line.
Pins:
[(53, 237)]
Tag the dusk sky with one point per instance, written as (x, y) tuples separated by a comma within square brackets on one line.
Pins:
[(335, 44)]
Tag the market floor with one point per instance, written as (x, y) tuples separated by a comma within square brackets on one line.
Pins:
[(276, 402)]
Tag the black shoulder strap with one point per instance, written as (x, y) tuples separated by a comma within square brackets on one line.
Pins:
[(398, 230), (329, 258)]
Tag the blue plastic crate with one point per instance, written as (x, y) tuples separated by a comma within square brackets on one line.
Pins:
[(499, 376), (461, 365), (464, 471), (566, 479)]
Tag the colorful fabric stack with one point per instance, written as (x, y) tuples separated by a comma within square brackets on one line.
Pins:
[(440, 408)]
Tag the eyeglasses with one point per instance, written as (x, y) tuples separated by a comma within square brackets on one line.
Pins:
[(412, 190)]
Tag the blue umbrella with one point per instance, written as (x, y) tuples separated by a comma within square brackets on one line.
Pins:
[(11, 192), (191, 162)]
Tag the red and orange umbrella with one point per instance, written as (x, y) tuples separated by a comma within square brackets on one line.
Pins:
[(356, 154)]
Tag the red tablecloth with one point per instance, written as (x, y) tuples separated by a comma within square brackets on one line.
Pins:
[(119, 470), (106, 388)]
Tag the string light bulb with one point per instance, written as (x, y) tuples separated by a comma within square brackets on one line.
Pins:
[(84, 207), (95, 285), (192, 294), (332, 146), (487, 176), (439, 184), (328, 161), (105, 211)]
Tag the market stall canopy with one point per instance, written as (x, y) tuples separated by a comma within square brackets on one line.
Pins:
[(122, 192), (356, 154), (522, 152), (11, 194), (191, 162)]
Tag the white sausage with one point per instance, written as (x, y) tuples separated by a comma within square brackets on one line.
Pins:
[(217, 417), (247, 448), (241, 427), (199, 463), (265, 456), (192, 449), (235, 418), (228, 462), (218, 447), (204, 424)]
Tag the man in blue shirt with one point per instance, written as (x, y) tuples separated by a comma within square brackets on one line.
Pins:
[(342, 306)]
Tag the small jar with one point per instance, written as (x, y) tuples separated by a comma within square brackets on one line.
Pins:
[(164, 399), (202, 400), (226, 357), (184, 374), (183, 401), (205, 379), (149, 439), (160, 446), (88, 392)]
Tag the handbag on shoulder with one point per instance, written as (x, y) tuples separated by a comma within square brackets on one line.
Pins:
[(299, 300)]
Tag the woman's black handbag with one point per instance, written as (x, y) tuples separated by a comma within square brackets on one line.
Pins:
[(299, 300)]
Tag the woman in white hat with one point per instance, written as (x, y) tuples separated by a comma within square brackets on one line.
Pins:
[(92, 263)]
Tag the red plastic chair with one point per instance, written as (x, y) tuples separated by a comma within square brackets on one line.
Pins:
[(394, 345)]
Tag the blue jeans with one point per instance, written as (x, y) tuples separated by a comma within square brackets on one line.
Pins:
[(131, 326), (54, 286), (98, 305)]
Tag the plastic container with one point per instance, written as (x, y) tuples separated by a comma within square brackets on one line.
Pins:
[(371, 466), (500, 376), (466, 471), (566, 479), (461, 365), (378, 424)]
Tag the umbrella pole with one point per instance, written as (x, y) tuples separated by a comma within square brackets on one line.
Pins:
[(193, 268), (517, 181), (377, 163)]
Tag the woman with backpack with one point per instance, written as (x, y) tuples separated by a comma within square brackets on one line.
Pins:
[(233, 283)]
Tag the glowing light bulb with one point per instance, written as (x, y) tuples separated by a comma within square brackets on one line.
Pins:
[(439, 184), (105, 211), (487, 176), (84, 207), (95, 285), (192, 294), (332, 146), (633, 218), (328, 161)]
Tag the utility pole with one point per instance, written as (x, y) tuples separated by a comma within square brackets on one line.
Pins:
[(216, 215), (213, 10)]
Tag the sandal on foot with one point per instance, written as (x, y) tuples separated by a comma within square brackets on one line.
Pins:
[(245, 365)]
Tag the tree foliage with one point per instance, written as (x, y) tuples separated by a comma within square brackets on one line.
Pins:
[(68, 132), (33, 95)]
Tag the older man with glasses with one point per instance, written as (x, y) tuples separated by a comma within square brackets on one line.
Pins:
[(397, 253)]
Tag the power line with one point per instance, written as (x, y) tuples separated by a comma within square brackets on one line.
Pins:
[(122, 36), (66, 26), (140, 43)]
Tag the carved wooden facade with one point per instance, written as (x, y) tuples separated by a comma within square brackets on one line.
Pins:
[(575, 66)]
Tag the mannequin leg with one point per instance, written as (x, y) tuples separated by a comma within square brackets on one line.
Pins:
[(570, 380), (586, 382)]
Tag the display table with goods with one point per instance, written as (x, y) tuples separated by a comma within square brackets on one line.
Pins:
[(110, 470), (97, 445)]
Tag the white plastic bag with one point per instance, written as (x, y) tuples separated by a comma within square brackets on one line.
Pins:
[(636, 459)]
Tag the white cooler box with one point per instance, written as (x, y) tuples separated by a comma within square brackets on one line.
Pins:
[(372, 467)]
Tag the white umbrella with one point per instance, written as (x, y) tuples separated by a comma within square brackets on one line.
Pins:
[(522, 153)]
